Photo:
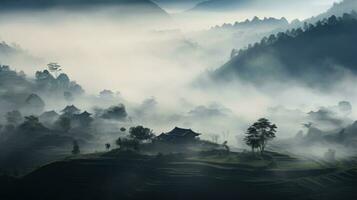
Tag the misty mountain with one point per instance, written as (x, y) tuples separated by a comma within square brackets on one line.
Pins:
[(121, 9), (236, 5), (174, 4), (6, 49), (256, 22), (315, 56), (45, 4), (338, 9), (221, 5), (237, 35), (10, 53)]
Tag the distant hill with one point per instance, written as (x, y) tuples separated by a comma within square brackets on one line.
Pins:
[(121, 8), (132, 12), (177, 4), (237, 35), (221, 5), (236, 5), (315, 56), (338, 9), (256, 22), (13, 54), (44, 4)]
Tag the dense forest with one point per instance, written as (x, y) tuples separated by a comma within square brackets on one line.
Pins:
[(303, 55)]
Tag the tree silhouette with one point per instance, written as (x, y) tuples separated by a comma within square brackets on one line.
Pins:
[(107, 146), (141, 133), (75, 150), (127, 144), (225, 146), (54, 68), (260, 133)]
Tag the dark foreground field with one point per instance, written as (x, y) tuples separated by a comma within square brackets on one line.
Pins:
[(211, 175)]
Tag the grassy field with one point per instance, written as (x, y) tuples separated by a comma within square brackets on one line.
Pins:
[(204, 175)]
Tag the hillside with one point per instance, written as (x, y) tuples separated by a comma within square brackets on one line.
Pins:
[(240, 5), (216, 5), (338, 9), (177, 5), (313, 56), (126, 175), (12, 53)]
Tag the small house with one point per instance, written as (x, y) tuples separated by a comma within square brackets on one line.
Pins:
[(179, 135)]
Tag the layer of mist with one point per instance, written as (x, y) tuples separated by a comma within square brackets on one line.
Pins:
[(143, 70)]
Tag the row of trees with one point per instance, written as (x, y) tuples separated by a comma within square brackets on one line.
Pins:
[(257, 137)]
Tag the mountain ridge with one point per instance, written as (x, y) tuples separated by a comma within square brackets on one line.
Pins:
[(305, 56)]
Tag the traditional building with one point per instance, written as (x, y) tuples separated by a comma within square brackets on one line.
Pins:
[(179, 135), (70, 110)]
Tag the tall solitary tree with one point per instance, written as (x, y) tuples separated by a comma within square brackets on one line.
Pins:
[(75, 150), (107, 146), (259, 134), (141, 133)]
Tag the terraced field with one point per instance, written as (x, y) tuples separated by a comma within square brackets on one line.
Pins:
[(125, 175)]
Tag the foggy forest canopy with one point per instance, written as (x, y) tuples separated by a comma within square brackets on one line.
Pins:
[(73, 73)]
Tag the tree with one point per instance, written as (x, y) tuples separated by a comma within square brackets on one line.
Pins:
[(75, 150), (54, 68), (260, 133), (332, 20), (115, 113), (271, 39), (234, 52), (225, 146), (107, 146), (106, 94), (252, 139), (126, 143), (140, 133)]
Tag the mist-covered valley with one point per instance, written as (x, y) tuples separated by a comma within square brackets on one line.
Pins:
[(81, 78)]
